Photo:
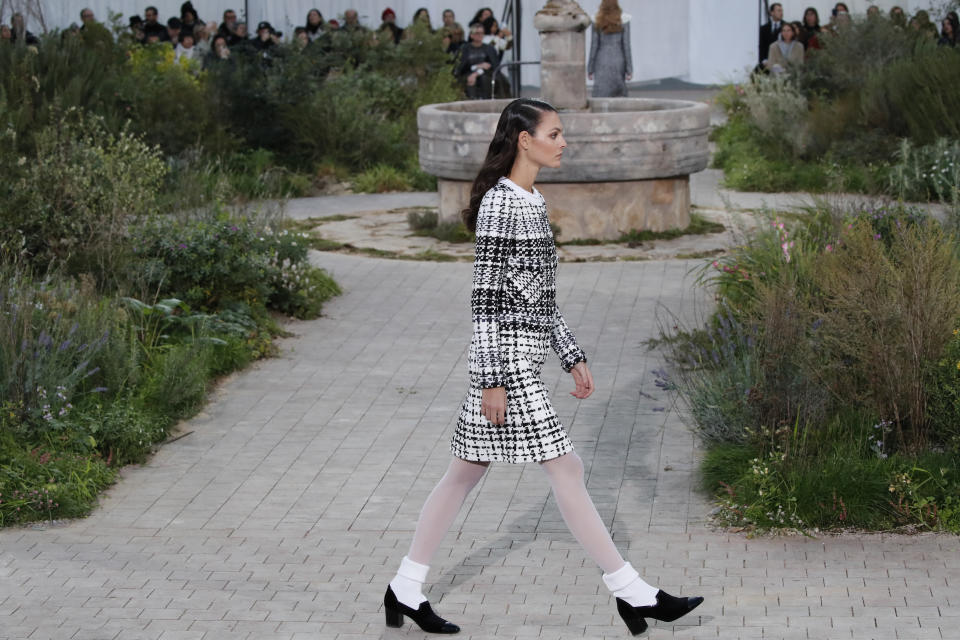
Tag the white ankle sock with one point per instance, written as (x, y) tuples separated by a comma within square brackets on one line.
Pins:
[(408, 582), (625, 583)]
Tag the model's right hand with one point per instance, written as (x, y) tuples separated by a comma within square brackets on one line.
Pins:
[(493, 405)]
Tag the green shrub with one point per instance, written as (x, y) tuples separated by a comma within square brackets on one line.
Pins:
[(927, 173), (75, 200), (381, 179)]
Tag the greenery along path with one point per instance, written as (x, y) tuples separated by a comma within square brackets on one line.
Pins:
[(286, 509)]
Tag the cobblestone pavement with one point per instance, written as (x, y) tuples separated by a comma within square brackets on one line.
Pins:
[(288, 506)]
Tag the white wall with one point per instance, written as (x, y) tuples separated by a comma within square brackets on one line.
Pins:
[(702, 41)]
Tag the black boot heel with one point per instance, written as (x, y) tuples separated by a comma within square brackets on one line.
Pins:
[(424, 616), (394, 617), (667, 609), (636, 624)]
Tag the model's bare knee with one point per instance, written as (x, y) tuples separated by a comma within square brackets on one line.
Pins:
[(466, 473)]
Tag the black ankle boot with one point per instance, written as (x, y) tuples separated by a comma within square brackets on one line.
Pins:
[(424, 616), (667, 609)]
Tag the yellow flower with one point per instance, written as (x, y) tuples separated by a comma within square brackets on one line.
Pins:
[(958, 364), (956, 331)]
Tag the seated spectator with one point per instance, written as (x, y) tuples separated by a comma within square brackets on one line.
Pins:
[(786, 52), (185, 48), (422, 17), (923, 24), (389, 31), (136, 30), (948, 33), (351, 22), (810, 34), (173, 29), (450, 20), (188, 17), (873, 12), (6, 34), (86, 15), (480, 16), (300, 38), (219, 52), (20, 34), (315, 24), (152, 29), (477, 63), (267, 37), (242, 38), (841, 17), (201, 37), (898, 17), (453, 39), (499, 39)]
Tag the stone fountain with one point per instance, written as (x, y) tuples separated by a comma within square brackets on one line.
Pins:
[(628, 161)]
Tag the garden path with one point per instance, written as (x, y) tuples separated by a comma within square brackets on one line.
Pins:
[(286, 507)]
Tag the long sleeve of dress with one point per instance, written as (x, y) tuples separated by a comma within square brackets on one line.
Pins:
[(627, 55), (495, 242), (594, 47), (564, 343)]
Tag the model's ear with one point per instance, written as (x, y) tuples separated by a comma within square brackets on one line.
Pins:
[(523, 141)]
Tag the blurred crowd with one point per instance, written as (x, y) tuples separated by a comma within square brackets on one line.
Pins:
[(475, 52), (786, 44)]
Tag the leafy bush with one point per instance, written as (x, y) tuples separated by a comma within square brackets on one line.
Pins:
[(76, 199), (826, 383), (838, 124), (212, 264), (927, 173), (381, 179)]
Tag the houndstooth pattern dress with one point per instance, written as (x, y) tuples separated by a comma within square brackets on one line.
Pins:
[(515, 323)]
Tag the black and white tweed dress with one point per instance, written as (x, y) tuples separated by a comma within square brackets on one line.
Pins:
[(515, 322)]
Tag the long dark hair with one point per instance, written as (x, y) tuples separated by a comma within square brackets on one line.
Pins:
[(523, 114)]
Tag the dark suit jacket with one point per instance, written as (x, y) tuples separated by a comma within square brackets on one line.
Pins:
[(767, 37)]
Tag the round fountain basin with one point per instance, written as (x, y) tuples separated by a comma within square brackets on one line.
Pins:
[(626, 165)]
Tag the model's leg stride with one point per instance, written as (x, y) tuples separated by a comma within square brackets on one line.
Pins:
[(636, 600), (404, 596)]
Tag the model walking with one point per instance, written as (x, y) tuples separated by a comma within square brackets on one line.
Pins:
[(610, 58), (507, 415)]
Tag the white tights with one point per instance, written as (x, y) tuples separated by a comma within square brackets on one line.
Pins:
[(566, 479)]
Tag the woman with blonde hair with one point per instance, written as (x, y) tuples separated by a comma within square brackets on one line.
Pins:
[(610, 58)]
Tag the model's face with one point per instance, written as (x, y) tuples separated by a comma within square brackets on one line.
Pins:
[(545, 147)]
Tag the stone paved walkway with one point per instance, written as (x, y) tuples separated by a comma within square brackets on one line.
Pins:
[(286, 509)]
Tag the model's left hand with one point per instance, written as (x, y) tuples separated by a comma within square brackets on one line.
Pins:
[(583, 379)]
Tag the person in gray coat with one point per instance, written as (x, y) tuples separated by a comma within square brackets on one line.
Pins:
[(611, 63)]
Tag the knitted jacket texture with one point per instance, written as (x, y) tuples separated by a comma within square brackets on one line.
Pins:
[(514, 282)]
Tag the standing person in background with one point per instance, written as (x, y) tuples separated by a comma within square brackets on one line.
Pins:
[(351, 22), (610, 58), (228, 28), (898, 17), (18, 25), (810, 34), (453, 35), (421, 17), (185, 48), (770, 31), (173, 30), (152, 27)]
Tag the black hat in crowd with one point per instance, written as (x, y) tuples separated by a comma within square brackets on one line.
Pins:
[(265, 25), (174, 23), (135, 20)]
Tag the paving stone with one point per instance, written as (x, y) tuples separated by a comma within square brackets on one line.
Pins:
[(287, 509)]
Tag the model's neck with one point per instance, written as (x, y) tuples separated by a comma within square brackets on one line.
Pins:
[(524, 174)]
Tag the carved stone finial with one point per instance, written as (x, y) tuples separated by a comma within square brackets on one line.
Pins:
[(563, 68), (561, 15)]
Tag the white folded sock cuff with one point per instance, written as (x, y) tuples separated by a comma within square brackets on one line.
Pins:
[(620, 578), (413, 570)]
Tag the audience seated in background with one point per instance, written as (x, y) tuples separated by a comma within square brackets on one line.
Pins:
[(477, 62), (786, 52), (389, 31)]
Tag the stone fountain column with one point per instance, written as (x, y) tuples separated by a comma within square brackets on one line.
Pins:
[(563, 70)]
